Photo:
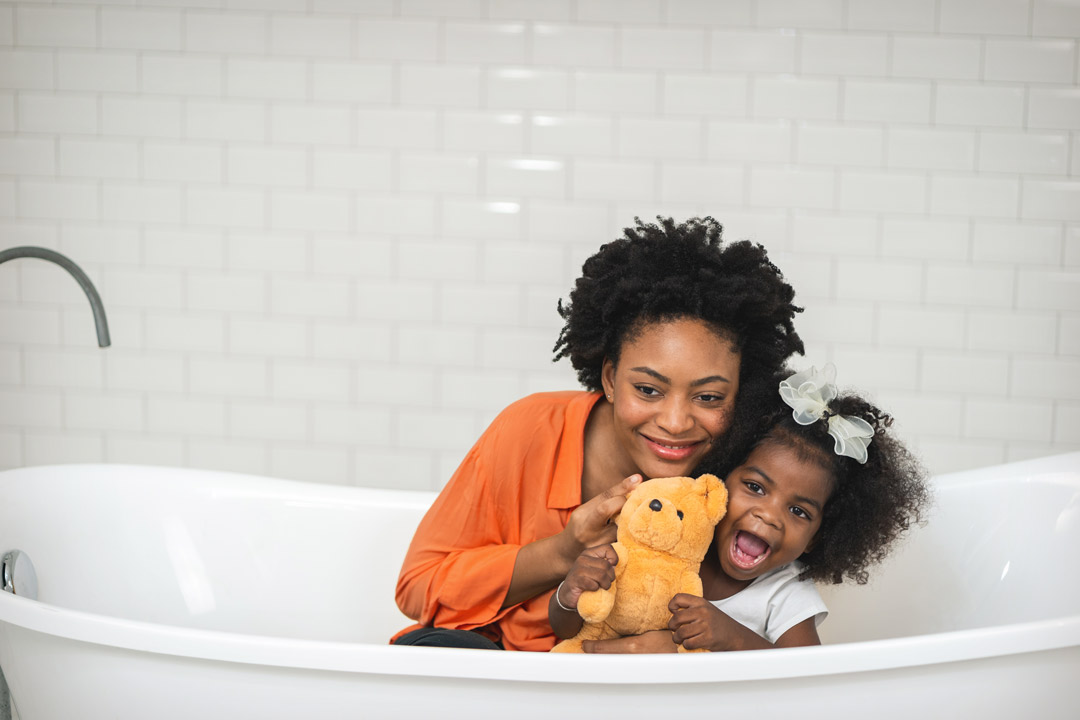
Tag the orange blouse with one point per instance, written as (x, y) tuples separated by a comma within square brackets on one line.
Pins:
[(518, 484)]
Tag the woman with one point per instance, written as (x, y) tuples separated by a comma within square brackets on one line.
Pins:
[(667, 327)]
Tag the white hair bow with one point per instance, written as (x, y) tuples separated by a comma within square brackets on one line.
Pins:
[(809, 393)]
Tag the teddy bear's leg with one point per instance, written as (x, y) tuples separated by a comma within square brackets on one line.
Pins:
[(684, 650), (570, 645), (589, 631)]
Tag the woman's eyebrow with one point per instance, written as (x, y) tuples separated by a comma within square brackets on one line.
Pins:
[(665, 379), (652, 373), (707, 380)]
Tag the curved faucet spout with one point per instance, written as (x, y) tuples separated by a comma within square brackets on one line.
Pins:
[(52, 256)]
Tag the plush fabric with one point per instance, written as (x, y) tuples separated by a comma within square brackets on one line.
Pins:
[(665, 529)]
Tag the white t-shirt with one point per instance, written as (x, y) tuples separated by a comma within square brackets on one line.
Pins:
[(775, 602)]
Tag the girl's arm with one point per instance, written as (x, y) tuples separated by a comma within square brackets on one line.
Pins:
[(803, 634), (697, 623)]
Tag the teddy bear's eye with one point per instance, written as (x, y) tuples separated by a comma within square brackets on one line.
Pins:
[(679, 513)]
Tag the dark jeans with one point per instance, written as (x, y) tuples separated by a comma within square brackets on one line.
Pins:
[(444, 637)]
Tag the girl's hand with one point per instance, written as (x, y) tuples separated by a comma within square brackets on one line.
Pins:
[(593, 570), (654, 641), (696, 623), (592, 523)]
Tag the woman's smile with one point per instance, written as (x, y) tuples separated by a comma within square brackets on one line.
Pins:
[(670, 449)]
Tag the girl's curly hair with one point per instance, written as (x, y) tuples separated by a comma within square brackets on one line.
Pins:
[(672, 270), (871, 505)]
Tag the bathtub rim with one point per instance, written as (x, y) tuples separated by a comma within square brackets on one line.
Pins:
[(840, 658), (261, 650)]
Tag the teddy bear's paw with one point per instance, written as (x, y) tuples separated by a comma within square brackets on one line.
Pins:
[(571, 645), (594, 606)]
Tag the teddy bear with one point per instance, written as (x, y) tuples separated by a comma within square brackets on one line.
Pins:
[(664, 530)]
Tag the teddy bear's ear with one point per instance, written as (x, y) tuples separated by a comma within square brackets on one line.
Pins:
[(715, 497)]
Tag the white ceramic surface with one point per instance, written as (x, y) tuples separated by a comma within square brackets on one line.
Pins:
[(170, 593)]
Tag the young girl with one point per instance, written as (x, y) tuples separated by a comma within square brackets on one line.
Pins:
[(671, 332), (822, 495)]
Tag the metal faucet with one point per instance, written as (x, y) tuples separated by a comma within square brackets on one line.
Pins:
[(100, 323), (103, 340)]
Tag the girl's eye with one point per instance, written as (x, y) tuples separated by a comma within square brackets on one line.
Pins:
[(711, 398), (799, 512), (754, 487), (647, 391)]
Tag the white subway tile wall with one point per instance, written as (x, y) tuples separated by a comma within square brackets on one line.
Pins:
[(330, 236)]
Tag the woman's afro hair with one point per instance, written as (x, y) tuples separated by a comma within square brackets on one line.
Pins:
[(871, 505), (678, 270)]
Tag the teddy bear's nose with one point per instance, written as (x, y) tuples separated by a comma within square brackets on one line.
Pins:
[(656, 506)]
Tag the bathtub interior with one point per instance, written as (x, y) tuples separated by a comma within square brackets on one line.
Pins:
[(998, 548), (216, 551), (213, 551)]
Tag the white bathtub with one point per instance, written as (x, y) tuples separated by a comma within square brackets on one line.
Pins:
[(168, 593)]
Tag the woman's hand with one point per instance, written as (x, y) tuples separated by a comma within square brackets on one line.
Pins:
[(541, 564), (593, 570), (592, 522), (654, 641)]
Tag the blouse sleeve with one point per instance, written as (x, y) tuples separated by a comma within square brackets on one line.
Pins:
[(461, 560), (793, 601), (775, 603)]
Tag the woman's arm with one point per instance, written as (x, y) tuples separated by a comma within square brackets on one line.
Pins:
[(455, 573), (565, 623), (459, 562), (594, 569), (543, 563)]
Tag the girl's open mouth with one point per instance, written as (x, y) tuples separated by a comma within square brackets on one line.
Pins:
[(748, 550)]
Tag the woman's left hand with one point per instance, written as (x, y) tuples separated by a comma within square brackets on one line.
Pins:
[(654, 641)]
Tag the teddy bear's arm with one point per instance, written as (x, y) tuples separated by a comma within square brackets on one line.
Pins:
[(595, 605), (690, 583)]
